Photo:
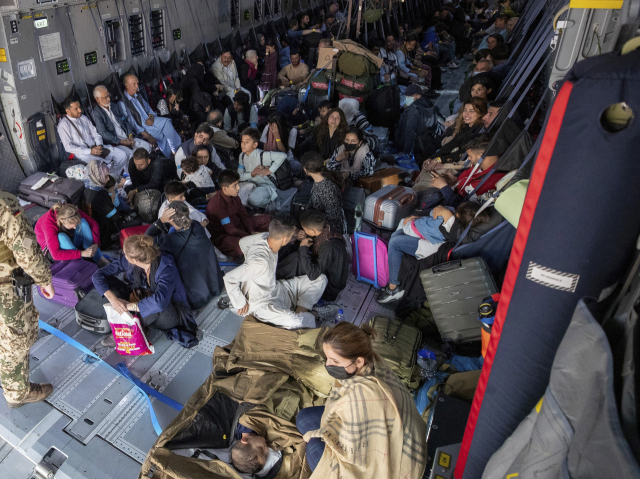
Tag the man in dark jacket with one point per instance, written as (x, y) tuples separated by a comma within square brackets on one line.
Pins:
[(147, 174), (413, 120), (202, 136), (195, 257), (229, 221)]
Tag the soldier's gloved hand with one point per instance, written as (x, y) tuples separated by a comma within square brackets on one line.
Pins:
[(48, 291)]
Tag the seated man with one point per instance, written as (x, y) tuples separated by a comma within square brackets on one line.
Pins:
[(111, 125), (412, 121), (81, 139), (257, 170), (201, 137), (500, 58), (498, 27), (146, 174), (186, 240), (253, 289), (226, 72), (322, 251), (240, 113), (228, 219), (215, 119), (142, 119), (294, 74)]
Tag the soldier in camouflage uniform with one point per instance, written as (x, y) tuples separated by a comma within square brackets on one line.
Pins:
[(19, 321)]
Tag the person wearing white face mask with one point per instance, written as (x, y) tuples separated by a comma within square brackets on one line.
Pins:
[(412, 122)]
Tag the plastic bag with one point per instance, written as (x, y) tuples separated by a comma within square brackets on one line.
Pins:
[(127, 333)]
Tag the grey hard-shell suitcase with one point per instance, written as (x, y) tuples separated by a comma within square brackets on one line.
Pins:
[(454, 291), (387, 206), (90, 313), (57, 189)]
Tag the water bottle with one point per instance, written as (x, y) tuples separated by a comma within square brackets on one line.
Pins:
[(428, 362), (339, 316)]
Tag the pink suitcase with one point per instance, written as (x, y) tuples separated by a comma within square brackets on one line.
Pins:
[(71, 280), (370, 260)]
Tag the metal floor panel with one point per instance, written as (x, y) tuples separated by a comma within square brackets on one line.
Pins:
[(16, 466)]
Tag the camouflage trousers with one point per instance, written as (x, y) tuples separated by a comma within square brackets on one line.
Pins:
[(18, 332)]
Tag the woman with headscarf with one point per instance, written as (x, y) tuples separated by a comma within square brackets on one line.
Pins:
[(289, 107), (280, 137), (269, 79), (105, 206), (248, 73), (351, 109)]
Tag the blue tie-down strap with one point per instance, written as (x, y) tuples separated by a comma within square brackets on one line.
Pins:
[(122, 369)]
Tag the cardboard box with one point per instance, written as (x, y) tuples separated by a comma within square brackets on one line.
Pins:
[(325, 55), (387, 176)]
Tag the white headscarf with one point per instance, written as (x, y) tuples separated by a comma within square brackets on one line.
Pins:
[(350, 107)]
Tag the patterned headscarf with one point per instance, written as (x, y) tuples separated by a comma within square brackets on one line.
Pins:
[(97, 173)]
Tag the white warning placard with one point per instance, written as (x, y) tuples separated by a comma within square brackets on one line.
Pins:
[(50, 46), (552, 278)]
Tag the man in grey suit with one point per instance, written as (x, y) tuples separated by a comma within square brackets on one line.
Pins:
[(112, 127)]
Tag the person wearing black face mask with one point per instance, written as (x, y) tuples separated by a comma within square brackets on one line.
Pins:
[(366, 395), (353, 159)]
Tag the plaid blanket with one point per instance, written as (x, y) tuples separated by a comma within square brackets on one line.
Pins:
[(371, 428)]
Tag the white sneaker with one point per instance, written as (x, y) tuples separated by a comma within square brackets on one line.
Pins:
[(325, 311), (453, 65), (444, 69), (387, 295)]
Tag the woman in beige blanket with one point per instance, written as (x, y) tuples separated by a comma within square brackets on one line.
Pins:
[(369, 426)]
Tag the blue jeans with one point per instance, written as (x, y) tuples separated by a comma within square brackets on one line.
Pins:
[(399, 244), (307, 420), (82, 239)]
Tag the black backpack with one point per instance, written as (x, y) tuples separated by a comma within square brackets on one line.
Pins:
[(283, 176)]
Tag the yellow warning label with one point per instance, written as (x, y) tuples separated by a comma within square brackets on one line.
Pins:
[(539, 405), (606, 4), (40, 132), (41, 137), (438, 476), (3, 55), (444, 460), (512, 476)]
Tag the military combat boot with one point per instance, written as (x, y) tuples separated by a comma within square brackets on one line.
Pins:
[(38, 392)]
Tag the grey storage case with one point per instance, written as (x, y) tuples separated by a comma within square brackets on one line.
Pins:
[(454, 291), (387, 206)]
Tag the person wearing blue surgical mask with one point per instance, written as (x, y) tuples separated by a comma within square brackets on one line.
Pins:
[(412, 121)]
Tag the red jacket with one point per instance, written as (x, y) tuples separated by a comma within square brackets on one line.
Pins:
[(227, 217), (488, 185), (47, 235)]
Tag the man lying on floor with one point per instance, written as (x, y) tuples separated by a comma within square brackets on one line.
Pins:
[(253, 289)]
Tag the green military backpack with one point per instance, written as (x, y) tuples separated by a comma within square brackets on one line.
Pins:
[(353, 64), (398, 344)]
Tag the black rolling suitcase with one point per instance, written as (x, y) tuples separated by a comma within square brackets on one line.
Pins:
[(353, 205), (90, 313), (383, 106)]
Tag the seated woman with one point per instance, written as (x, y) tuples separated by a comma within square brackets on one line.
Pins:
[(479, 86), (366, 393), (272, 139), (353, 159), (467, 126), (107, 208), (153, 289), (169, 107), (351, 109), (66, 233), (326, 195), (422, 236), (329, 134), (456, 189), (175, 233)]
